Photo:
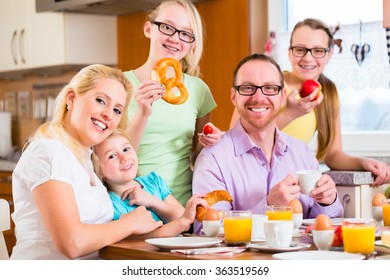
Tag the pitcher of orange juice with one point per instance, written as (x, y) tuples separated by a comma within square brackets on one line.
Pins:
[(237, 227), (276, 212), (359, 235)]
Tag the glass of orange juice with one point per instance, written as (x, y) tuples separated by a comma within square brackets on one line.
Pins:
[(386, 212), (276, 212), (238, 227), (359, 235)]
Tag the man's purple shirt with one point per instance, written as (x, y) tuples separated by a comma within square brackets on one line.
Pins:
[(237, 165)]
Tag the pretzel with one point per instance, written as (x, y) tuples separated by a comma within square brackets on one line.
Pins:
[(159, 74), (212, 198)]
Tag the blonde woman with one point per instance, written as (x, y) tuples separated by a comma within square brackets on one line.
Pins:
[(62, 210)]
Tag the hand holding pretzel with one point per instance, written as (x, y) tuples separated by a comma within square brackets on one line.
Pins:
[(159, 73)]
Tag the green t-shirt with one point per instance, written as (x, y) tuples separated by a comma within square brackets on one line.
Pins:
[(166, 146)]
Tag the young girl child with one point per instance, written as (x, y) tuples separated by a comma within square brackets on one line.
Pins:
[(116, 163), (168, 137)]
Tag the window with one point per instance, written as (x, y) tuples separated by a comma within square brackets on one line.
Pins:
[(334, 12), (363, 89)]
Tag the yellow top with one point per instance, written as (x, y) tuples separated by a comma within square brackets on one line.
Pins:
[(302, 128)]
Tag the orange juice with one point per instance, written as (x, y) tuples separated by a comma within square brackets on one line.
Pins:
[(275, 212), (238, 230), (386, 215), (279, 215), (358, 235)]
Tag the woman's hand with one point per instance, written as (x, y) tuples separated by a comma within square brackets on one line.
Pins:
[(325, 192), (380, 170), (211, 138), (148, 92), (140, 221)]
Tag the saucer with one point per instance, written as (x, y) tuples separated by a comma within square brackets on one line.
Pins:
[(266, 248)]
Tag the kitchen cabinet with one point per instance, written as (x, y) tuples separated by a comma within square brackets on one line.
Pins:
[(31, 40), (6, 193), (355, 192)]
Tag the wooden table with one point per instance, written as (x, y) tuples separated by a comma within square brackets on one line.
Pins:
[(140, 250)]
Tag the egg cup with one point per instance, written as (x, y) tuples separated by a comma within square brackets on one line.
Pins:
[(377, 214), (211, 228), (323, 239)]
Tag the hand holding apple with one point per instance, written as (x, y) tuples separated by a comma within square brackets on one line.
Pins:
[(308, 87)]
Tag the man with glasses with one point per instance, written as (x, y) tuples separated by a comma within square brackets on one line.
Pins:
[(256, 162)]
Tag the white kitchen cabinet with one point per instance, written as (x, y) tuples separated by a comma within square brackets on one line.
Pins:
[(360, 196), (30, 40)]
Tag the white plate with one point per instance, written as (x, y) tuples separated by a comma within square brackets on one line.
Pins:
[(266, 248), (183, 242), (383, 257), (317, 255), (335, 221), (380, 248)]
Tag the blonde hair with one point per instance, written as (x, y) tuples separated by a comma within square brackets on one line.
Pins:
[(327, 112), (95, 159), (81, 83), (190, 63)]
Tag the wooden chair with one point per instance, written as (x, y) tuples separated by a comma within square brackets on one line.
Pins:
[(5, 224)]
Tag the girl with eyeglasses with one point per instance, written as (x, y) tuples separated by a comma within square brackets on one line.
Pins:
[(311, 48), (167, 137)]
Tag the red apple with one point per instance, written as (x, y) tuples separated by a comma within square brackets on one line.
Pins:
[(308, 87)]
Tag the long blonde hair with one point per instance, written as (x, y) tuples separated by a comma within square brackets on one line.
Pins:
[(82, 82), (190, 63), (327, 112)]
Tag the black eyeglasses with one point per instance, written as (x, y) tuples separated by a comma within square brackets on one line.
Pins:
[(249, 90), (315, 52), (169, 30)]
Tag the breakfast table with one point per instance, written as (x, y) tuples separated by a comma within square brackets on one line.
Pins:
[(130, 249), (139, 249)]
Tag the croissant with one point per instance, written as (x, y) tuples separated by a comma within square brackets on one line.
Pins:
[(212, 198)]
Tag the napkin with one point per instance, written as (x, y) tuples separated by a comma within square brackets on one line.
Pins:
[(211, 251)]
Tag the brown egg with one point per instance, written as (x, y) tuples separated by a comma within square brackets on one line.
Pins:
[(322, 222), (211, 215), (296, 206), (377, 200)]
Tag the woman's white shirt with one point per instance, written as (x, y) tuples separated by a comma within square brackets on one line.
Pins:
[(42, 161)]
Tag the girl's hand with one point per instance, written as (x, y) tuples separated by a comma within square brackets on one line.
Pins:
[(137, 196), (298, 107), (148, 92), (211, 138), (190, 210), (380, 169)]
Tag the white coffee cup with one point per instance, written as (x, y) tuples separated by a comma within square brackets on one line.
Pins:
[(307, 179), (211, 228), (258, 227), (278, 233)]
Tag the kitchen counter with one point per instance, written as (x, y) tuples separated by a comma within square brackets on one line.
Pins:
[(351, 177)]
